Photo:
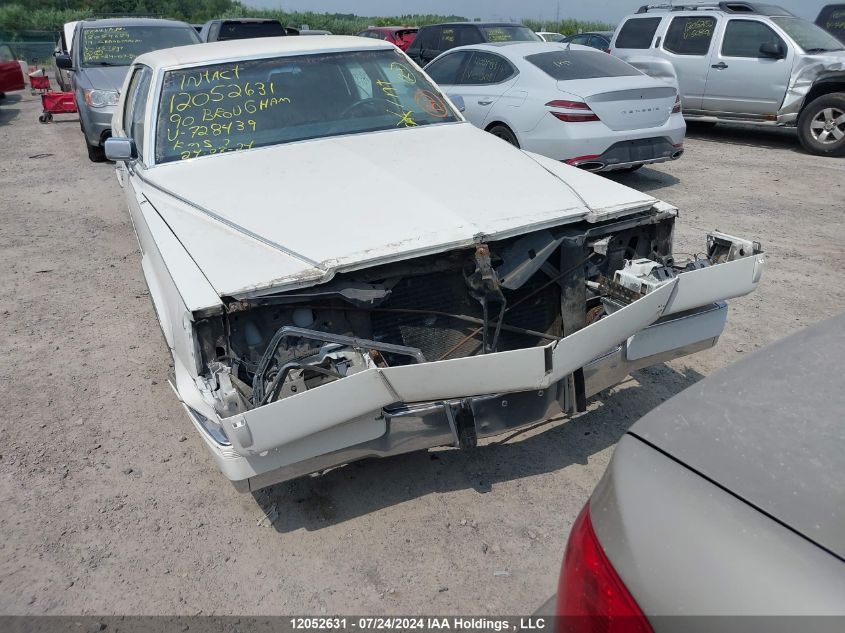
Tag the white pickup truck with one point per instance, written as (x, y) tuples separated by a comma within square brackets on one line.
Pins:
[(345, 268)]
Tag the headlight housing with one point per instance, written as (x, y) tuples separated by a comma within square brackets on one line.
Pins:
[(101, 98)]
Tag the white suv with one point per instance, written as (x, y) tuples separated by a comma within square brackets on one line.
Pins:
[(744, 62)]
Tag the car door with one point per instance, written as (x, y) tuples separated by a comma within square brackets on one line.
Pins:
[(484, 79), (743, 81), (11, 75), (687, 44)]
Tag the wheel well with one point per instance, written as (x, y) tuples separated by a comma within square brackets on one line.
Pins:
[(824, 87), (502, 123)]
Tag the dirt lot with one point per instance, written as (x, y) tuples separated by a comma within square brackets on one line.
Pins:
[(110, 503)]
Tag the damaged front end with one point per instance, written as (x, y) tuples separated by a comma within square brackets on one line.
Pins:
[(318, 377)]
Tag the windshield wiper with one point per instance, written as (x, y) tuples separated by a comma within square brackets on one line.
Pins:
[(810, 51), (103, 63)]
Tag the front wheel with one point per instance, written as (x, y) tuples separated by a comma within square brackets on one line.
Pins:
[(96, 154), (504, 132), (821, 126)]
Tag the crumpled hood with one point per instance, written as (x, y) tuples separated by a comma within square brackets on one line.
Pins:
[(104, 77), (289, 216)]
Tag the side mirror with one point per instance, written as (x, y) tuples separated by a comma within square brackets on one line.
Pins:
[(772, 50), (120, 149), (459, 102), (64, 62)]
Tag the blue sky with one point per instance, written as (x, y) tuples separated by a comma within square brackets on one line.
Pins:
[(604, 10)]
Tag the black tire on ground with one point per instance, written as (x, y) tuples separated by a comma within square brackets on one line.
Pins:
[(821, 125), (42, 118), (96, 153), (504, 133), (701, 125)]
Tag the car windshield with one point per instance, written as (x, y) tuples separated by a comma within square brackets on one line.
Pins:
[(571, 64), (246, 104), (832, 20), (509, 34), (808, 36), (119, 45), (246, 30)]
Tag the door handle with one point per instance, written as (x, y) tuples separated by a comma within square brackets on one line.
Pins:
[(485, 102), (719, 66)]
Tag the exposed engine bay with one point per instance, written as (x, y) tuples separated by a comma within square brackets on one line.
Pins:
[(491, 297)]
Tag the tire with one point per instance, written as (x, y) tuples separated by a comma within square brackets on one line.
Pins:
[(701, 125), (821, 126), (504, 132), (95, 153)]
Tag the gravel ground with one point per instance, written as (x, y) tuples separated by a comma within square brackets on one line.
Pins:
[(110, 504)]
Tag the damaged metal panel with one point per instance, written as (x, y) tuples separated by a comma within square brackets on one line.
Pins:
[(518, 370), (580, 348), (807, 71), (717, 283), (309, 412)]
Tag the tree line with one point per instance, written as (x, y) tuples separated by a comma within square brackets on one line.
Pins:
[(50, 15)]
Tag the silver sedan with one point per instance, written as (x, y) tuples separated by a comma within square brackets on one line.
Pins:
[(727, 500)]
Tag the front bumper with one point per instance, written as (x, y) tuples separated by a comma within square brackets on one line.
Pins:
[(419, 427), (395, 410), (96, 122)]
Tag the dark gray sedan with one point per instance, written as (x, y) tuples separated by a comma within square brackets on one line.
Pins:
[(729, 499)]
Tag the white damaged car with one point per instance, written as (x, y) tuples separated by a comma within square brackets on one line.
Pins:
[(343, 267)]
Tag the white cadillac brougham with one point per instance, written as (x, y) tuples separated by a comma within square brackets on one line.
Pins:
[(344, 268)]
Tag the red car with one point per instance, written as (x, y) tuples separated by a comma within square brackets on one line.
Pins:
[(11, 75), (402, 36)]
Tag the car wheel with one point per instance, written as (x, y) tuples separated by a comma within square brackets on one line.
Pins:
[(821, 126), (95, 153), (701, 125), (504, 132)]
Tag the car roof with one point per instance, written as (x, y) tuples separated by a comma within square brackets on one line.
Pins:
[(475, 24), (228, 50), (391, 28), (106, 22), (769, 429), (732, 8), (523, 49), (244, 20)]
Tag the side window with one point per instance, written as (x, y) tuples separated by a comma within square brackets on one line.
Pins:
[(128, 103), (136, 106), (599, 42), (6, 53), (447, 38), (444, 70), (638, 33), (428, 38), (485, 68), (690, 35), (580, 39), (743, 38)]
